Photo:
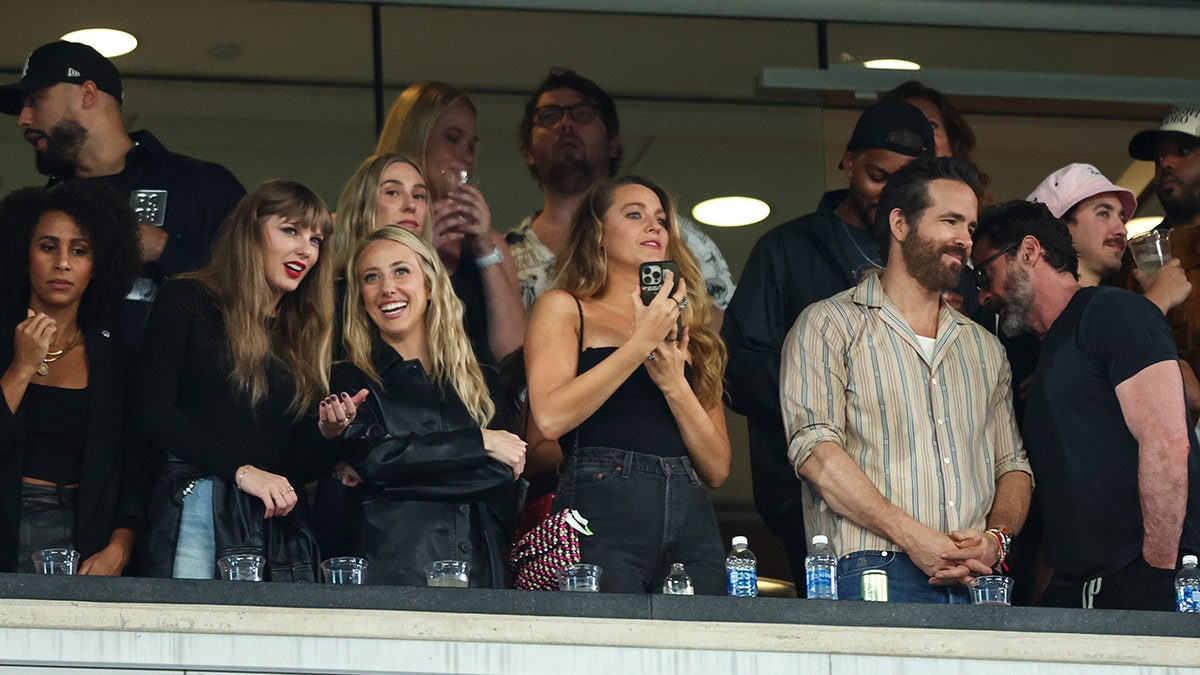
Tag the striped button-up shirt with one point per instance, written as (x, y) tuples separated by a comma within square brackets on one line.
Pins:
[(932, 434)]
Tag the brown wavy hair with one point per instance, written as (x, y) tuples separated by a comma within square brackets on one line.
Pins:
[(300, 337), (582, 271)]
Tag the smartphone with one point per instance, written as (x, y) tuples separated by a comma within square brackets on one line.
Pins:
[(652, 275)]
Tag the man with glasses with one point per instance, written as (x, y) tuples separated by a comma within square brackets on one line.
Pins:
[(571, 140), (1108, 434), (897, 408)]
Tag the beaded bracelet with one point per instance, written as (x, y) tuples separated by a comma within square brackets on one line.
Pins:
[(241, 474), (1003, 541)]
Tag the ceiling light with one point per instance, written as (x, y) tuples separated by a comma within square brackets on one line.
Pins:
[(891, 64), (108, 41), (1140, 226), (731, 211)]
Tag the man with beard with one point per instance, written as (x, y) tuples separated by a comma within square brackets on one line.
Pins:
[(571, 140), (792, 266), (897, 407), (1173, 149), (1105, 423), (68, 105)]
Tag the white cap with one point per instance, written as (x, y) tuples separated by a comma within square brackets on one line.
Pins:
[(820, 539), (739, 540), (1189, 560), (1182, 123)]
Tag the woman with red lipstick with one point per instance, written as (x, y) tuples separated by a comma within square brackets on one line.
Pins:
[(68, 256), (234, 361), (437, 475), (635, 407), (434, 123)]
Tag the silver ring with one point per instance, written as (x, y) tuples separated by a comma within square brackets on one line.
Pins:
[(683, 304), (650, 357)]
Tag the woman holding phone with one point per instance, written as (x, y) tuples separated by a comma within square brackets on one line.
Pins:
[(635, 405), (437, 476)]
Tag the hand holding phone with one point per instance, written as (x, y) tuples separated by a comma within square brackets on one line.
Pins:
[(652, 275)]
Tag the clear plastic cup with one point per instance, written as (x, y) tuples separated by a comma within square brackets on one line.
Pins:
[(1151, 250), (56, 561), (580, 577), (345, 570), (241, 567), (448, 574), (993, 589)]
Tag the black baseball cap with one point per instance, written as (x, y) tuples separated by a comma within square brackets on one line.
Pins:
[(895, 126), (61, 62)]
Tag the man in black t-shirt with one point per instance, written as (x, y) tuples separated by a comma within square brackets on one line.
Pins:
[(1117, 464)]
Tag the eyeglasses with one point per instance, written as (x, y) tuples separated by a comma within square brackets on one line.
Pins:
[(581, 113), (981, 278)]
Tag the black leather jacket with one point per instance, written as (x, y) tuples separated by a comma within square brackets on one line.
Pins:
[(430, 492)]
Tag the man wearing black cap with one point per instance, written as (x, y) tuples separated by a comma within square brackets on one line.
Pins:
[(792, 266), (1175, 150), (68, 105)]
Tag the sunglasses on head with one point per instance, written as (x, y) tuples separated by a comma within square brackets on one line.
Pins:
[(981, 278)]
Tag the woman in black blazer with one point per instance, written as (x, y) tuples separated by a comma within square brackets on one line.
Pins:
[(68, 256)]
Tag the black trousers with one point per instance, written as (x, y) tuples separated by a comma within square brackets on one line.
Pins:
[(1135, 586), (47, 521)]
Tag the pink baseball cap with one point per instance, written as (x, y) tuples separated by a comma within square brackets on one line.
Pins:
[(1074, 183)]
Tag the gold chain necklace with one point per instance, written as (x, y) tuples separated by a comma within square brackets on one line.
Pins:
[(43, 368)]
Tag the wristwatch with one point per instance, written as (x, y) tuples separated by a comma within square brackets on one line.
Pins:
[(494, 258)]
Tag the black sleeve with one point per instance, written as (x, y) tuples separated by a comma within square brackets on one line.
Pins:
[(1126, 332), (755, 326), (171, 333), (438, 465), (214, 192)]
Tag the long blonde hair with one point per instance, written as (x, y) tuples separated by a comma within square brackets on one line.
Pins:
[(452, 360), (356, 207), (410, 122), (582, 271), (300, 337)]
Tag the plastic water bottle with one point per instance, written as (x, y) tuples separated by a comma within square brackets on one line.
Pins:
[(1187, 586), (678, 582), (820, 569), (741, 570)]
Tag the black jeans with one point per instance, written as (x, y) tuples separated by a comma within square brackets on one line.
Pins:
[(47, 521), (646, 512), (1135, 586)]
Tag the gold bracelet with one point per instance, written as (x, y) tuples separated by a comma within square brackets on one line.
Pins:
[(241, 474)]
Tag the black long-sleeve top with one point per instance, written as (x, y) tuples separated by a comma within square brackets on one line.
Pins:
[(187, 406)]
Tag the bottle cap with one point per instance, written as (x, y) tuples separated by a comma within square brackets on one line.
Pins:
[(739, 540), (820, 539), (1189, 560)]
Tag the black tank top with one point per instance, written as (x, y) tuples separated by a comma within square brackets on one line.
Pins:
[(55, 422), (636, 417)]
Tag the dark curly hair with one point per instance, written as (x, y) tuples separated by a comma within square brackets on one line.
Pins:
[(561, 78), (104, 217)]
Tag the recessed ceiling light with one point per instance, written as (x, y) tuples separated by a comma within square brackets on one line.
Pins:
[(108, 41), (1140, 226), (891, 64), (731, 211)]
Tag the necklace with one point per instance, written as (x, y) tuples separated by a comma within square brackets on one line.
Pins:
[(43, 369), (846, 229)]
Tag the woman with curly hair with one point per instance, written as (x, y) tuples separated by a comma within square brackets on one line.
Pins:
[(68, 471), (635, 405), (437, 475), (434, 123), (235, 359)]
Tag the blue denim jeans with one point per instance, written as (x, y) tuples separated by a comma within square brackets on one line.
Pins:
[(196, 550), (906, 581), (646, 512)]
